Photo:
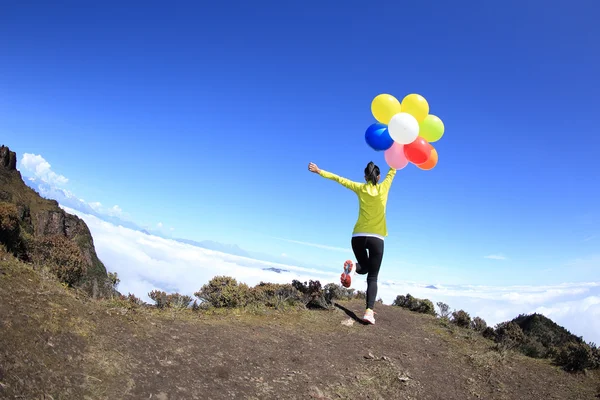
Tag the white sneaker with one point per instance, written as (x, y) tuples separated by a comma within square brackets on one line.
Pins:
[(369, 316)]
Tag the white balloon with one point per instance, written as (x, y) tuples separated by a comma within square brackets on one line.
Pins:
[(403, 128)]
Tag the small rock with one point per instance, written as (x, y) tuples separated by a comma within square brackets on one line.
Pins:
[(403, 378), (370, 356), (348, 322)]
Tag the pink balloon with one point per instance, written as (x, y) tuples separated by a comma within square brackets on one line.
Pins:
[(394, 156)]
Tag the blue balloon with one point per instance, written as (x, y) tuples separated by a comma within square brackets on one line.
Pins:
[(378, 137)]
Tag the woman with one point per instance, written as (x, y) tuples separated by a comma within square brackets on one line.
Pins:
[(369, 230)]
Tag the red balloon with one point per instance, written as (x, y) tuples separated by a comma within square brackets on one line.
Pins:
[(418, 151)]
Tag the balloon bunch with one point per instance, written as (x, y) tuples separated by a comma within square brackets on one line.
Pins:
[(404, 131)]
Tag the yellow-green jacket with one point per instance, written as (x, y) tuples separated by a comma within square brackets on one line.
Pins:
[(372, 200)]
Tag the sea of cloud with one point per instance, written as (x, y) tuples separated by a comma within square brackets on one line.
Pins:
[(145, 262)]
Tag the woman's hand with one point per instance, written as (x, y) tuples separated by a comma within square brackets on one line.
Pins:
[(313, 168)]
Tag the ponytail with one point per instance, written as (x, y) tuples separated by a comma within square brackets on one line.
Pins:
[(372, 173)]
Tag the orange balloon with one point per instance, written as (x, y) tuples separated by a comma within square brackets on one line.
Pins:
[(431, 162)]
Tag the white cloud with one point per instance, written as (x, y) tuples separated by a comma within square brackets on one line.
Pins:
[(48, 184), (495, 257), (570, 314), (41, 169), (159, 225), (566, 304), (146, 262), (320, 246), (114, 211), (96, 206)]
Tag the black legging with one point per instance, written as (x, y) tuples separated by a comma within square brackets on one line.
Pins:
[(368, 263)]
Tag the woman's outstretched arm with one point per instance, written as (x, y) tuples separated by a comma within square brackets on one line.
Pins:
[(387, 182), (354, 186)]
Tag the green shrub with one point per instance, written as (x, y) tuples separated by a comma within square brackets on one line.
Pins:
[(62, 256), (509, 336), (489, 333), (423, 306), (159, 297), (576, 357), (312, 294), (179, 301), (533, 348), (113, 280), (275, 295), (9, 227), (478, 324), (134, 300), (224, 292), (337, 292), (129, 301), (173, 300), (461, 318), (360, 295)]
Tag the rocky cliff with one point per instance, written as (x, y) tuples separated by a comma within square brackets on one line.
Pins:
[(38, 231)]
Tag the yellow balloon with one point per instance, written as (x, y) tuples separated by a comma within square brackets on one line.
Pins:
[(415, 105), (384, 107)]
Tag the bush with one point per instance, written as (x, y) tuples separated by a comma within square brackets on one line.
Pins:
[(275, 295), (113, 280), (9, 227), (179, 301), (423, 306), (159, 297), (312, 294), (224, 292), (360, 295), (62, 256), (337, 292), (129, 301), (509, 336), (576, 357), (478, 324), (461, 318), (134, 300), (533, 348), (489, 333), (174, 300)]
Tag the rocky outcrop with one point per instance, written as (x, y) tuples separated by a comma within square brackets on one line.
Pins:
[(42, 221), (8, 159)]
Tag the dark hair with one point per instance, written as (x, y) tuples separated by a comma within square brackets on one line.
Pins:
[(371, 173)]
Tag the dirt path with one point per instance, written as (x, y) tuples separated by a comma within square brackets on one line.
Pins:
[(52, 343)]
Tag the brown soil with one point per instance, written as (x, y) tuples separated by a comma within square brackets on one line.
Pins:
[(58, 344)]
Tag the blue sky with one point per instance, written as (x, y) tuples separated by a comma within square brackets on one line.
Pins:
[(204, 118)]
